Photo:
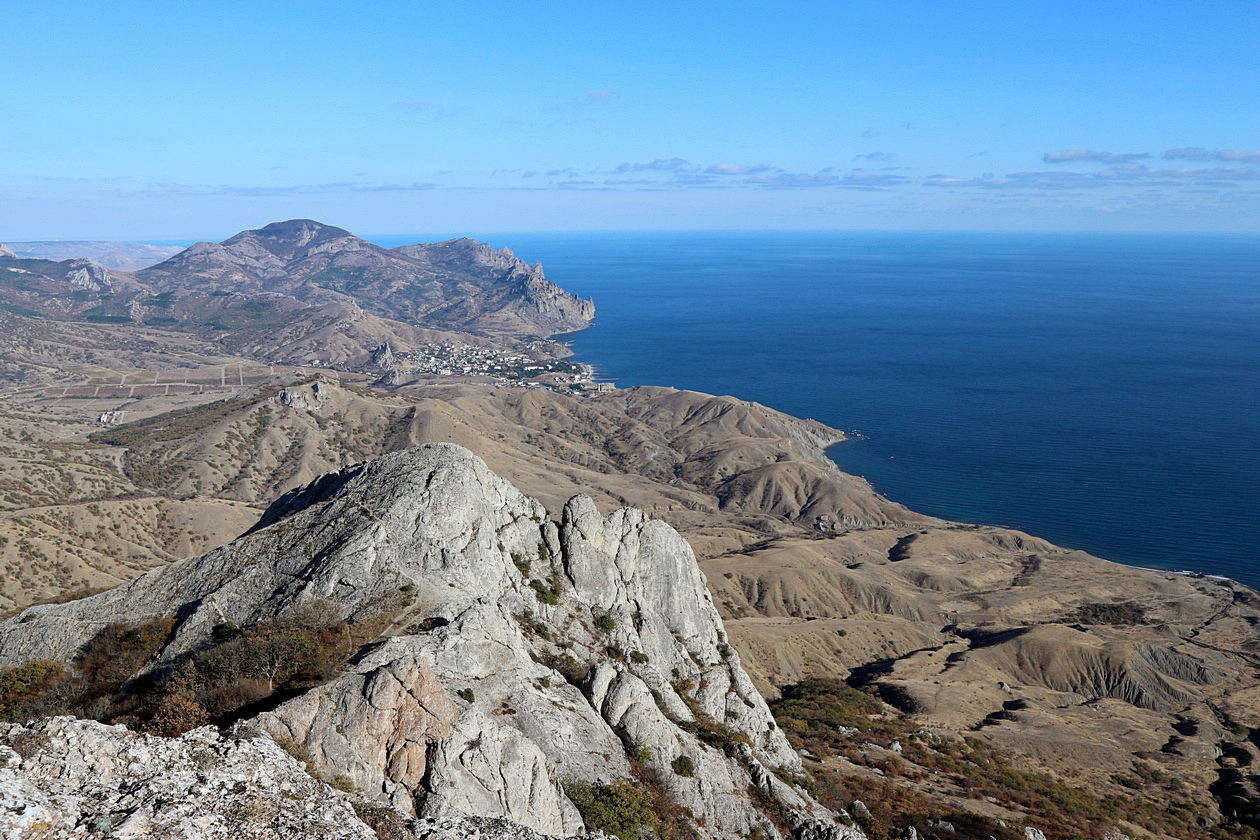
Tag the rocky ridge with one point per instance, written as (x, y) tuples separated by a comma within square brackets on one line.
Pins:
[(458, 284), (460, 710)]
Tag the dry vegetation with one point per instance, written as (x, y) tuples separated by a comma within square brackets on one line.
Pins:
[(866, 751), (238, 668)]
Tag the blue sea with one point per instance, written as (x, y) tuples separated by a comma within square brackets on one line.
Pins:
[(1098, 390)]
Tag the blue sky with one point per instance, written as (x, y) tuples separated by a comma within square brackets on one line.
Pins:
[(148, 120)]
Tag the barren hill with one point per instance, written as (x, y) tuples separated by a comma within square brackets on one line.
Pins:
[(457, 285), (295, 292)]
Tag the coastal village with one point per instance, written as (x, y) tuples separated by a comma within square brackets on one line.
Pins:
[(521, 367)]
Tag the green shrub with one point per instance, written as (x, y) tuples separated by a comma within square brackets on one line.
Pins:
[(521, 562), (546, 594), (23, 685), (343, 783), (573, 671), (467, 695), (605, 623), (1108, 614), (621, 808), (683, 766)]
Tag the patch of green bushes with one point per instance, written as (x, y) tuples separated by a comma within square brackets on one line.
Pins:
[(683, 766), (236, 668), (549, 595), (1108, 614), (620, 808)]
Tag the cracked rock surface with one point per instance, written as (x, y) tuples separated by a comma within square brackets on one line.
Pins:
[(523, 654)]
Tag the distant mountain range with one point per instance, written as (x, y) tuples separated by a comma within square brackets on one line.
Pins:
[(118, 256), (300, 291)]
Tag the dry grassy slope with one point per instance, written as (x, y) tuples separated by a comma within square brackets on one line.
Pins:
[(671, 462), (48, 551), (342, 336), (972, 628), (69, 517), (36, 351)]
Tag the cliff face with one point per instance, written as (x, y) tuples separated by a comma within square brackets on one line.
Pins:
[(520, 654)]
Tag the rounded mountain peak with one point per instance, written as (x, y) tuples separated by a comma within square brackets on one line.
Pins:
[(291, 238), (299, 228)]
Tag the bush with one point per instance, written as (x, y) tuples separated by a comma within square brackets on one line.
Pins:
[(1108, 614), (22, 686), (573, 671), (683, 766), (240, 667), (605, 623), (546, 594), (521, 562), (467, 695), (621, 808)]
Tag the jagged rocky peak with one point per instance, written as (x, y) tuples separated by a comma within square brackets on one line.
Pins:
[(6, 252), (522, 657), (87, 275), (467, 250)]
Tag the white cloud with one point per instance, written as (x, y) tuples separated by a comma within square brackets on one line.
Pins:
[(1090, 156)]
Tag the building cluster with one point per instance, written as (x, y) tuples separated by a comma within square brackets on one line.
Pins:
[(470, 360)]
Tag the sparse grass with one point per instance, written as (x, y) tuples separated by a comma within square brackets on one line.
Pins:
[(810, 712)]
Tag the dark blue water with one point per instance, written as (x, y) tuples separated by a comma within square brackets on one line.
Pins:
[(1101, 391)]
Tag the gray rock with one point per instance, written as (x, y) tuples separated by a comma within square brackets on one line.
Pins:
[(62, 778), (524, 653)]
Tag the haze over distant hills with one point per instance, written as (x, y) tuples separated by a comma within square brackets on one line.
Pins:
[(118, 256)]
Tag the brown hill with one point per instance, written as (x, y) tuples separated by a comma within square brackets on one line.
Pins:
[(456, 285)]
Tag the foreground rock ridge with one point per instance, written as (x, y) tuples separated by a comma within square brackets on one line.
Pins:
[(522, 654)]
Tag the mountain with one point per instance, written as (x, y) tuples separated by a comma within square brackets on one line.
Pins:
[(951, 659), (456, 285), (116, 256), (408, 617), (296, 293), (498, 663)]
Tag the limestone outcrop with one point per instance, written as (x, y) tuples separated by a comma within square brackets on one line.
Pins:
[(522, 655), (62, 778)]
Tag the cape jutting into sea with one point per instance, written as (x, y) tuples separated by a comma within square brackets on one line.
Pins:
[(1098, 390)]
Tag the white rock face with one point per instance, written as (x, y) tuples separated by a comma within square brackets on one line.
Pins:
[(62, 778), (524, 653)]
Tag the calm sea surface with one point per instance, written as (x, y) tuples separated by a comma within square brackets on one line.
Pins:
[(1101, 391)]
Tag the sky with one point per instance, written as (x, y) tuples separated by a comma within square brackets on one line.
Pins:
[(158, 120)]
